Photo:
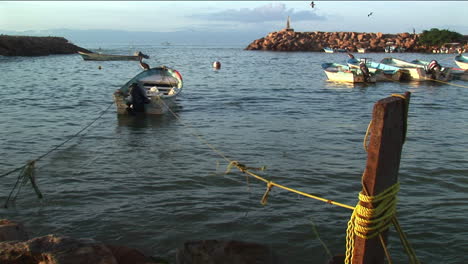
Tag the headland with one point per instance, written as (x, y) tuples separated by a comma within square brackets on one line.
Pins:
[(36, 46)]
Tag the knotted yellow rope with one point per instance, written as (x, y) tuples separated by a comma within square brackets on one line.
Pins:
[(368, 223)]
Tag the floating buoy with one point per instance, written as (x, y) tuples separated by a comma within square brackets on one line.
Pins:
[(217, 65)]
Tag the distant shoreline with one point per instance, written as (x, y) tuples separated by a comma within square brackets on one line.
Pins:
[(36, 46)]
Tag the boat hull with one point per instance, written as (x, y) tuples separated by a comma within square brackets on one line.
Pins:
[(157, 106), (411, 71), (462, 62), (106, 57), (342, 73)]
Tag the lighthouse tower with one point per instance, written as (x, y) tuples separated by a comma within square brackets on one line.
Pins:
[(288, 25)]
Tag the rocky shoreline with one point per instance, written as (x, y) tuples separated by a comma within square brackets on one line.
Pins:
[(36, 46), (17, 248), (289, 40)]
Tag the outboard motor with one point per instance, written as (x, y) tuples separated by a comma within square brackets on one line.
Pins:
[(433, 68), (365, 71)]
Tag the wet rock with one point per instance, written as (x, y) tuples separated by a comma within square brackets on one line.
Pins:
[(126, 255), (226, 252), (55, 250), (10, 230)]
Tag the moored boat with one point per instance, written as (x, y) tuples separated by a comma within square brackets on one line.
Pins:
[(420, 72), (462, 61), (341, 73), (456, 73), (108, 57), (382, 72), (161, 85), (328, 50), (361, 50), (414, 72)]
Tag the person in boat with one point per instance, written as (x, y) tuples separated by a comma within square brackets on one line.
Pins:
[(139, 98), (352, 59)]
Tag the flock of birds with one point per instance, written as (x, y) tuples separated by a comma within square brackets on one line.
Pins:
[(312, 4)]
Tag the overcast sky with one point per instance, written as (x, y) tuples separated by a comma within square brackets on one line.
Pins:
[(267, 16)]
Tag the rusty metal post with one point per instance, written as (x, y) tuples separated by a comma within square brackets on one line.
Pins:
[(383, 161)]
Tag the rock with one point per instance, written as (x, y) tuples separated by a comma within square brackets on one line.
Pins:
[(404, 35), (126, 255), (10, 231), (55, 250), (226, 252), (315, 41)]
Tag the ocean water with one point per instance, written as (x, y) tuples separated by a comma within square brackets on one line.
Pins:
[(151, 183)]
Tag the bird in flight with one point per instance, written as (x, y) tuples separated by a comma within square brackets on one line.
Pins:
[(312, 4), (370, 14)]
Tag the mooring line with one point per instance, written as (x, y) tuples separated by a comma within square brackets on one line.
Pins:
[(30, 165)]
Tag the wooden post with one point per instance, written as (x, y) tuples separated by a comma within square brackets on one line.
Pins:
[(383, 161)]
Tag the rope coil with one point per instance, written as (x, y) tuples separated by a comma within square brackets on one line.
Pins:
[(368, 222)]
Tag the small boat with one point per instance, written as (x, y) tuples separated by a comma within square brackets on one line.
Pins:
[(382, 72), (456, 73), (419, 72), (413, 72), (330, 50), (361, 50), (161, 84), (108, 57), (341, 73), (461, 61)]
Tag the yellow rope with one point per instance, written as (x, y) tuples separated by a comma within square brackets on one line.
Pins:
[(368, 223), (386, 207)]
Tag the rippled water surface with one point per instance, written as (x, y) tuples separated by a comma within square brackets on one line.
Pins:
[(151, 183)]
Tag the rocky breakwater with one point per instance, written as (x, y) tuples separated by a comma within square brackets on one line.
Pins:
[(36, 46), (285, 40)]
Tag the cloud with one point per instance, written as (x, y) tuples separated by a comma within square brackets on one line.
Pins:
[(266, 13)]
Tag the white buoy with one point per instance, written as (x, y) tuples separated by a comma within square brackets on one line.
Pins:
[(217, 65)]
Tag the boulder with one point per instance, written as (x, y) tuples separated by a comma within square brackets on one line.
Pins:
[(12, 231)]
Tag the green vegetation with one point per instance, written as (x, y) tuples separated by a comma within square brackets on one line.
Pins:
[(436, 37)]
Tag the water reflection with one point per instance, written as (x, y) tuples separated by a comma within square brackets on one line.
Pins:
[(344, 85), (144, 121)]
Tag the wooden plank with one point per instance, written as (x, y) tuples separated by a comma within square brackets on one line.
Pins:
[(383, 162)]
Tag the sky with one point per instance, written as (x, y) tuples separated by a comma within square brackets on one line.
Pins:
[(235, 16)]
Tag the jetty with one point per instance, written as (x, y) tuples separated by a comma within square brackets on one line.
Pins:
[(36, 46), (289, 40)]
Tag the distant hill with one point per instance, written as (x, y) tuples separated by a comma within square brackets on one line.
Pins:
[(144, 37), (36, 46)]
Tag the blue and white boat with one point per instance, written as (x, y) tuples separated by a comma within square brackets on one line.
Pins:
[(462, 61), (161, 85), (342, 73), (382, 72), (419, 72)]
